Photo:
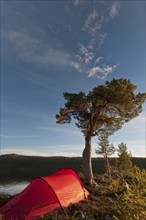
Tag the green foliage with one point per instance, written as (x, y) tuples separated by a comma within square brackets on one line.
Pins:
[(106, 107), (105, 149), (132, 205), (124, 160), (112, 104), (109, 198)]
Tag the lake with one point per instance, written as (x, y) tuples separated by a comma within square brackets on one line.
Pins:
[(13, 187)]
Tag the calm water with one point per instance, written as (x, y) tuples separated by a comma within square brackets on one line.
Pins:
[(13, 188)]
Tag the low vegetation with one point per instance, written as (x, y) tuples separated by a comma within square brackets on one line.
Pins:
[(116, 198), (120, 196)]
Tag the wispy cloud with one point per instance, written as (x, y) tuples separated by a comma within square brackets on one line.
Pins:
[(17, 136), (78, 2), (95, 66), (97, 42), (90, 20), (77, 65), (86, 59), (114, 10), (94, 22), (98, 59), (60, 130), (32, 50), (85, 55), (71, 150), (55, 30)]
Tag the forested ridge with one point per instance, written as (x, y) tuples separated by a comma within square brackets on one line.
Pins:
[(19, 167)]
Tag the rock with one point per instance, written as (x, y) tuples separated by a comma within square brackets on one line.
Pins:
[(81, 216), (110, 200), (126, 187)]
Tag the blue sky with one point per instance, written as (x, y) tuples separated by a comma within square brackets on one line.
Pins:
[(51, 47)]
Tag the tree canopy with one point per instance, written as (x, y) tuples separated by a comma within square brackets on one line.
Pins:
[(111, 104), (105, 107)]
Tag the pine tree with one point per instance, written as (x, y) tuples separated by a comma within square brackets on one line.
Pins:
[(124, 160), (105, 149), (112, 104)]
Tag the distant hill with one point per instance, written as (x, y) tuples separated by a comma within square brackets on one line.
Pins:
[(19, 167)]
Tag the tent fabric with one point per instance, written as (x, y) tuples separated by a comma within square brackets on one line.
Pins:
[(44, 195)]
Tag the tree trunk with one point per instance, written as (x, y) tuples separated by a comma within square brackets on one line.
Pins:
[(107, 166), (87, 161)]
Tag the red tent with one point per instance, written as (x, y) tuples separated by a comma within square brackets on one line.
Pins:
[(44, 195)]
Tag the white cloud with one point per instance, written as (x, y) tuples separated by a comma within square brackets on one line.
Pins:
[(92, 26), (98, 59), (86, 55), (97, 26), (97, 41), (101, 39), (77, 66), (114, 10), (92, 44), (94, 23), (84, 58), (90, 19), (101, 71)]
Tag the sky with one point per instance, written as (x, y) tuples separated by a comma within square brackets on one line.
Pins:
[(51, 47)]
